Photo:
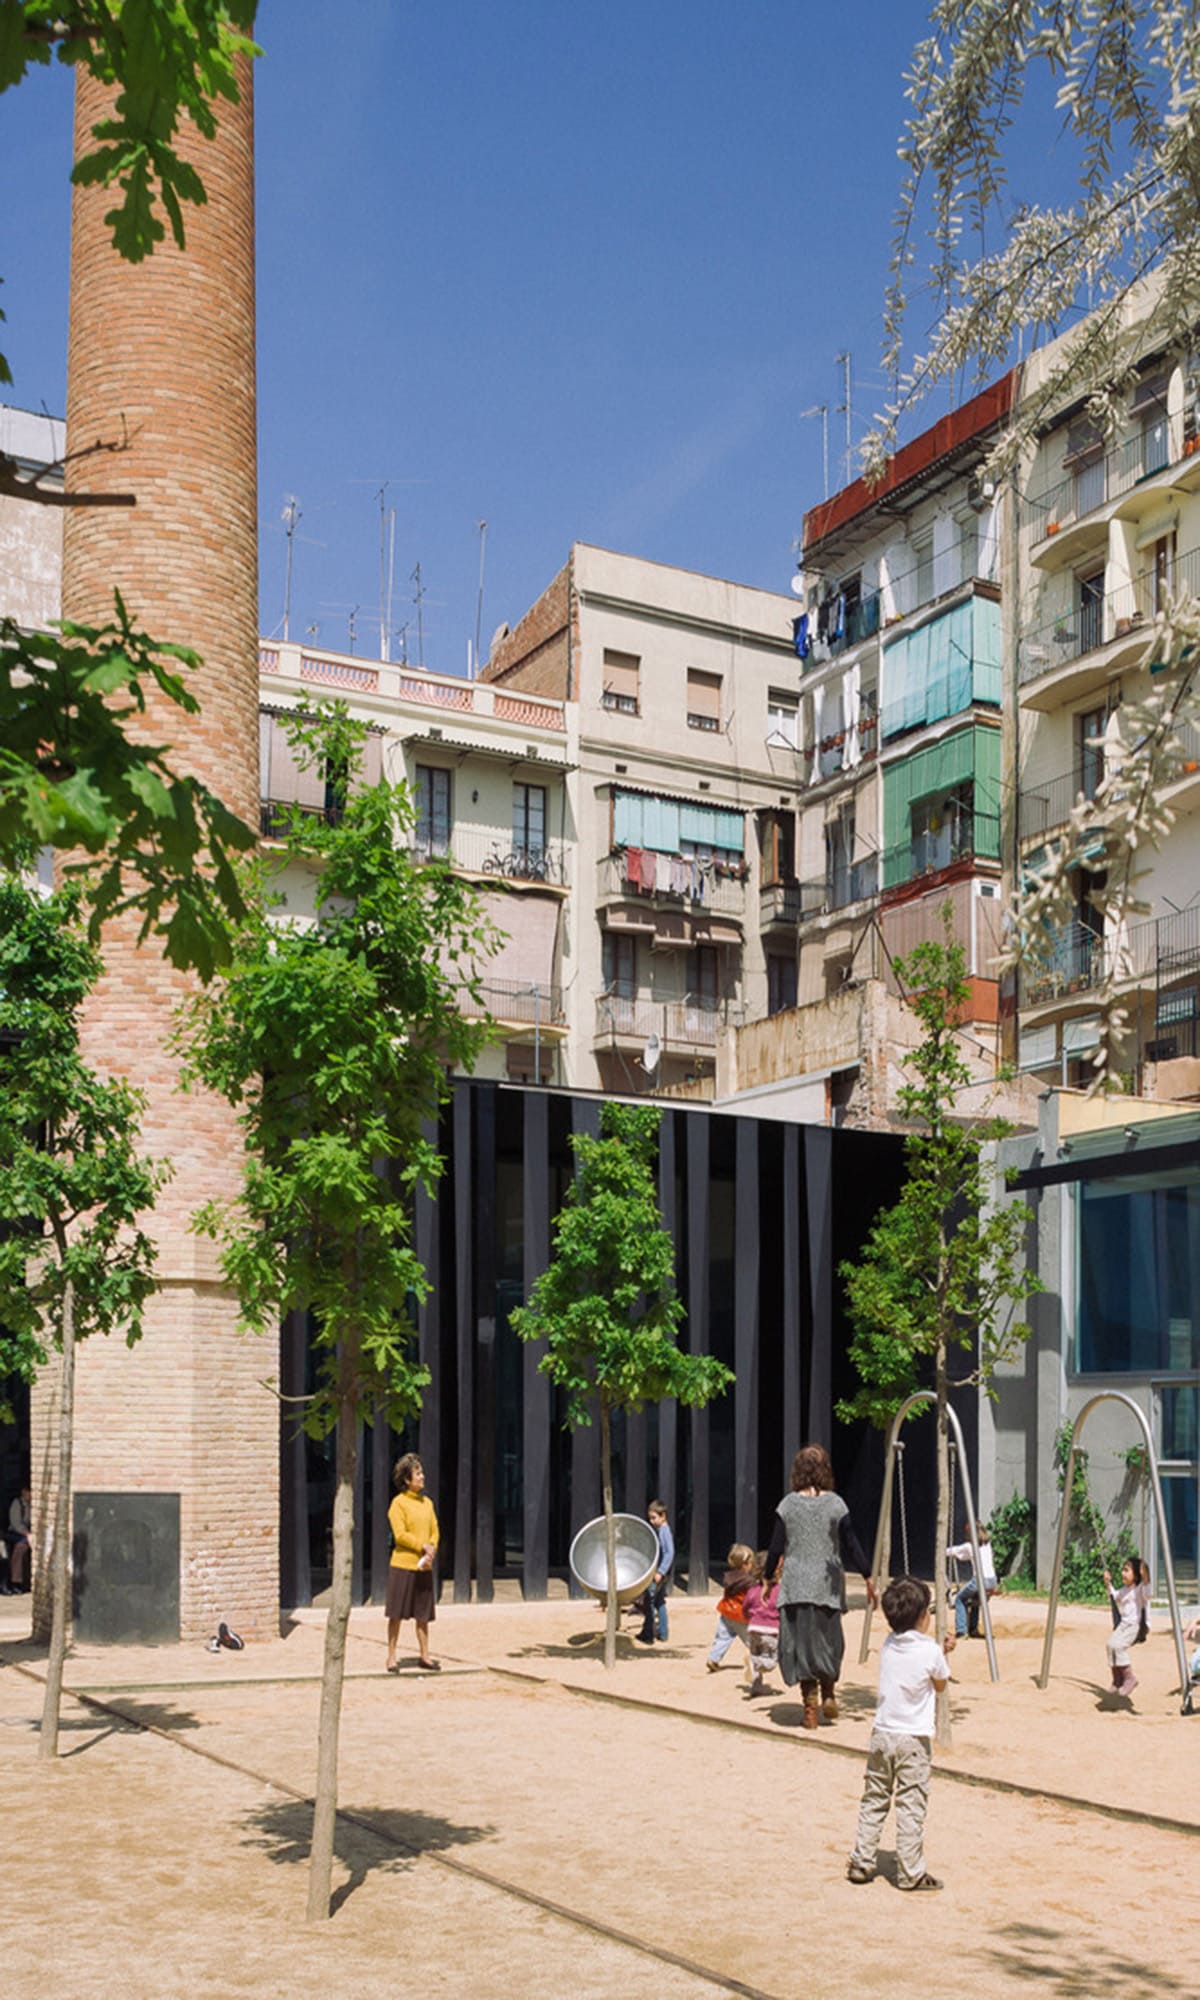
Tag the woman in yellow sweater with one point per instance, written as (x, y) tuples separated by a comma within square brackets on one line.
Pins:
[(414, 1544)]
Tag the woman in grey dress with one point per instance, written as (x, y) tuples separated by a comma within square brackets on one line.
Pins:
[(814, 1542)]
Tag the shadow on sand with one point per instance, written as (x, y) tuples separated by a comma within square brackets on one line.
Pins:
[(388, 1839), (1037, 1956)]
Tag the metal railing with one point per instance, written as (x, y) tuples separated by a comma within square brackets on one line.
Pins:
[(779, 903), (678, 881), (1043, 809), (484, 851), (838, 888), (1103, 478), (961, 837), (1077, 959), (686, 1024), (1098, 620), (527, 1003)]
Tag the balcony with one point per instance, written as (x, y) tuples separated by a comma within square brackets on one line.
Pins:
[(779, 903), (684, 1027), (516, 1003), (478, 850), (1078, 650), (961, 837), (1078, 959), (1044, 809), (1064, 518), (400, 685), (676, 881), (838, 888), (857, 621)]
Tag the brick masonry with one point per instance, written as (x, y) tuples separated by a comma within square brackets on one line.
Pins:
[(537, 655), (162, 355)]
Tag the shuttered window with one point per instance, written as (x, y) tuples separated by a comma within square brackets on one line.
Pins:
[(703, 699)]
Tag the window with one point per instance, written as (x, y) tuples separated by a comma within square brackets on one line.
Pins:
[(943, 828), (705, 976), (922, 555), (1139, 1275), (431, 833), (839, 858), (527, 1063), (620, 965), (1084, 459), (703, 699), (778, 848), (1162, 573), (783, 720), (1149, 404), (1089, 750), (529, 824), (622, 682), (1091, 611), (968, 547), (781, 983)]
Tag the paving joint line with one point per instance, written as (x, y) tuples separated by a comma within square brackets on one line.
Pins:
[(1012, 1787), (562, 1911)]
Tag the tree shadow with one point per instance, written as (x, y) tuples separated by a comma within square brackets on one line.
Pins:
[(579, 1644), (389, 1839), (1040, 1956), (99, 1725)]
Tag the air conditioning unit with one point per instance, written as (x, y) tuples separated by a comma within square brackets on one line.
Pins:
[(981, 492)]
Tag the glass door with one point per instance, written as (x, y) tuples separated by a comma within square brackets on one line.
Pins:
[(1177, 1428)]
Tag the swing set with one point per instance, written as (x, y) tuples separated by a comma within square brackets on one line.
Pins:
[(893, 1478), (893, 1486)]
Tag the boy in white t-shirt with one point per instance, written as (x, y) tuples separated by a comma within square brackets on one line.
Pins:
[(912, 1673)]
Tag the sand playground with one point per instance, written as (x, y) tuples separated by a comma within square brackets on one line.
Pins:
[(525, 1824)]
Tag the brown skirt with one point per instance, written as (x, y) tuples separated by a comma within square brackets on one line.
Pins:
[(410, 1594)]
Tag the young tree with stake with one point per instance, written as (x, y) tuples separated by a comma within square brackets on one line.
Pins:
[(606, 1306), (333, 1039), (73, 1259), (943, 1273)]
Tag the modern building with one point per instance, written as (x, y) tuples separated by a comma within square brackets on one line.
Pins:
[(682, 811)]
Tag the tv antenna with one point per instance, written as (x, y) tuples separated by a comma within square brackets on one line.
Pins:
[(387, 566), (418, 598), (353, 621), (479, 599), (290, 515), (844, 363)]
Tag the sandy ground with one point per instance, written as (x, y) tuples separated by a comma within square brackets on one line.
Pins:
[(686, 1842)]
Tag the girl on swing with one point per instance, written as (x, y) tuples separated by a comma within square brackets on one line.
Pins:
[(1130, 1621)]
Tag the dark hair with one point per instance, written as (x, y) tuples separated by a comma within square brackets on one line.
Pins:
[(658, 1507), (1140, 1569), (905, 1602), (811, 1467), (403, 1470)]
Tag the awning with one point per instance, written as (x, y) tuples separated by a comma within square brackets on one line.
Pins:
[(711, 930), (514, 753), (640, 921)]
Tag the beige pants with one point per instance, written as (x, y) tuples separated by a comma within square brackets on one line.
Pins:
[(897, 1766)]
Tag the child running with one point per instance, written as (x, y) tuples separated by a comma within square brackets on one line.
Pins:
[(731, 1611), (912, 1673), (762, 1614), (1130, 1606)]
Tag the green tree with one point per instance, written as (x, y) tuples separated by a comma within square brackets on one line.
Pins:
[(73, 1259), (332, 1038), (938, 1283), (69, 775), (606, 1305)]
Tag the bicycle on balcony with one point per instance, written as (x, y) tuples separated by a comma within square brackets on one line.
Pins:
[(523, 864)]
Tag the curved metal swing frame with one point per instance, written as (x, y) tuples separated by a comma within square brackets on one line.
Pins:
[(1164, 1540), (879, 1560)]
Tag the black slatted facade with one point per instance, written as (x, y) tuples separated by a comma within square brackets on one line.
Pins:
[(761, 1214)]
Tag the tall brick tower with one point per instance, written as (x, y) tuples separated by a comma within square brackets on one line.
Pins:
[(165, 352)]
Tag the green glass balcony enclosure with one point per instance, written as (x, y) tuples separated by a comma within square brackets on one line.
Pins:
[(942, 805)]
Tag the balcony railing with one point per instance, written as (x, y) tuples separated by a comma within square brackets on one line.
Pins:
[(681, 1025), (678, 880), (779, 903), (531, 1003), (483, 851), (860, 620), (838, 888), (1105, 478), (960, 837), (1078, 959), (1047, 807), (1107, 616), (397, 682)]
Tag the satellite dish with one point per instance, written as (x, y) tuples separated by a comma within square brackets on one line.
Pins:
[(798, 584), (651, 1054)]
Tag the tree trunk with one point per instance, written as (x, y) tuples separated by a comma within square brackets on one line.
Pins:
[(942, 1538), (610, 1536), (60, 1569), (320, 1876)]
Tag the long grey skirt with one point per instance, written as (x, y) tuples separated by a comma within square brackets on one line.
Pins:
[(811, 1643)]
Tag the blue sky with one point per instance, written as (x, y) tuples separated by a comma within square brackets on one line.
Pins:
[(573, 270)]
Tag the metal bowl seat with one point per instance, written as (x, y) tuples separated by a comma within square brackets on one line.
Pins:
[(636, 1561)]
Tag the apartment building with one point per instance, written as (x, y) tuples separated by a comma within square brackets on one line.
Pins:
[(487, 771), (684, 811), (892, 744), (31, 536), (1109, 530)]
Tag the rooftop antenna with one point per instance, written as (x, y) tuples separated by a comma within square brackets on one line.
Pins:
[(289, 517), (354, 627), (479, 600), (844, 363), (418, 595), (822, 410), (387, 560), (402, 635)]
